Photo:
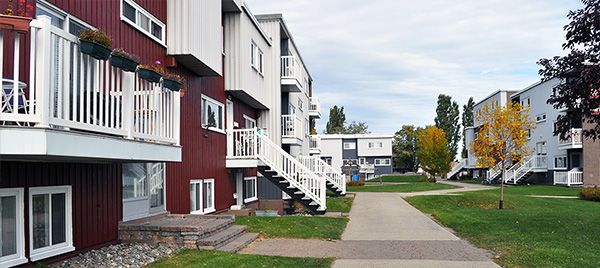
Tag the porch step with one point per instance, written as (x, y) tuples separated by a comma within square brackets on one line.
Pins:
[(334, 189), (221, 238), (239, 242)]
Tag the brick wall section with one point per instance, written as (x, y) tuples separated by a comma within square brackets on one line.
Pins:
[(591, 162)]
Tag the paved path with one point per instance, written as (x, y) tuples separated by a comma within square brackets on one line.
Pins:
[(466, 187), (384, 231)]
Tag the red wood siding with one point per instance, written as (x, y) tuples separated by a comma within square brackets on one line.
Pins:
[(96, 190)]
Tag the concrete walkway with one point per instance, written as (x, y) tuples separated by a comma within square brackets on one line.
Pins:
[(384, 231), (466, 187)]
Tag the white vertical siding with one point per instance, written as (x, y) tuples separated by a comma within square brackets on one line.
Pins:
[(194, 28), (332, 148), (271, 119)]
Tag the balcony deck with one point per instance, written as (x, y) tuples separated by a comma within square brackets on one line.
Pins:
[(574, 141), (314, 108), (70, 105), (291, 74)]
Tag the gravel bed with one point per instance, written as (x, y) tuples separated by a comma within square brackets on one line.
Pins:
[(121, 255)]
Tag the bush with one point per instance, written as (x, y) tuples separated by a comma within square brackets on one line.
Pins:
[(356, 183), (96, 36), (590, 193)]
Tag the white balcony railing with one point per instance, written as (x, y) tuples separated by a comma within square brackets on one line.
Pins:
[(290, 68), (573, 140), (568, 178), (314, 144), (291, 126), (315, 107), (72, 91)]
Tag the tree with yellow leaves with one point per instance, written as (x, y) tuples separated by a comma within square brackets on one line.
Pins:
[(432, 151), (501, 138)]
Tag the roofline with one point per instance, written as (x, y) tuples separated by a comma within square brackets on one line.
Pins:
[(532, 86), (279, 18), (493, 94), (355, 136), (254, 20)]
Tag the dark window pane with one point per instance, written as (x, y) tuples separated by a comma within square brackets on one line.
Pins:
[(59, 224), (156, 30), (75, 28), (8, 225), (128, 11), (41, 221)]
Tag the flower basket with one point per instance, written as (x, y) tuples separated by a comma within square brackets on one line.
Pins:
[(94, 49), (15, 23), (149, 75), (124, 63), (172, 84)]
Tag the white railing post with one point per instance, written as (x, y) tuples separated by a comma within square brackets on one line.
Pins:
[(43, 63), (177, 117), (127, 111)]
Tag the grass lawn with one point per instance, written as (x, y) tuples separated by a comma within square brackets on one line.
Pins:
[(401, 178), (339, 204), (201, 258), (532, 232), (295, 226), (402, 188)]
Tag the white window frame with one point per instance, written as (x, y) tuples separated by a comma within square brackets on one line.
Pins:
[(152, 18), (255, 197), (523, 102), (565, 161), (257, 58), (58, 249), (300, 105), (208, 210), (253, 54), (19, 257), (542, 149), (362, 161), (375, 145), (249, 119), (386, 162), (541, 118), (349, 161), (205, 112), (52, 9), (351, 145)]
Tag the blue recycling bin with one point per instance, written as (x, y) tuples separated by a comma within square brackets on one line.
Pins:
[(354, 177)]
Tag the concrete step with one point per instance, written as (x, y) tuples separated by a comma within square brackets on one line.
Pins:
[(221, 238), (239, 242)]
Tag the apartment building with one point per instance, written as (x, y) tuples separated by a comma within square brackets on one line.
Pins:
[(85, 146), (553, 160), (366, 155)]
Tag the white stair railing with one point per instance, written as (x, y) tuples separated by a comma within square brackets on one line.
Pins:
[(494, 171), (321, 167), (457, 168), (519, 170)]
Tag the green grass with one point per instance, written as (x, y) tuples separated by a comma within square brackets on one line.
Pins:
[(201, 258), (401, 178), (339, 204), (402, 188), (532, 232), (295, 226)]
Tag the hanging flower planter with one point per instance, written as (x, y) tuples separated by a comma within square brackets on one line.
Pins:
[(95, 43), (15, 23), (121, 59), (173, 82), (149, 74)]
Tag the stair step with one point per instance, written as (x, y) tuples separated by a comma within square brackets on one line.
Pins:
[(222, 237), (298, 192), (239, 242)]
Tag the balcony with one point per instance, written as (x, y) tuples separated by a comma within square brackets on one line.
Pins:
[(568, 178), (291, 74), (574, 141), (291, 129), (73, 107), (315, 107), (314, 144)]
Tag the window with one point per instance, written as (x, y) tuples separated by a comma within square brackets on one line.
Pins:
[(350, 162), (50, 221), (528, 134), (134, 180), (525, 102), (249, 122), (362, 161), (560, 162), (327, 160), (142, 20), (540, 118), (375, 145), (250, 189), (12, 234), (306, 127), (540, 148), (157, 185), (349, 146), (202, 196), (300, 105), (383, 162), (212, 114), (257, 59)]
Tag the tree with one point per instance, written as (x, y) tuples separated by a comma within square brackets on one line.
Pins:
[(502, 138), (578, 71), (405, 147), (447, 120), (432, 151), (356, 128), (337, 121), (467, 121)]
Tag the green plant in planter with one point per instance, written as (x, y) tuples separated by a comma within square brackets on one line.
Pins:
[(95, 43), (152, 73), (173, 81), (121, 59)]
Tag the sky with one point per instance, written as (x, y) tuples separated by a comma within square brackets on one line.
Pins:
[(386, 61)]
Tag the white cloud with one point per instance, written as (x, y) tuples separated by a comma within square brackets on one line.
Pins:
[(387, 60)]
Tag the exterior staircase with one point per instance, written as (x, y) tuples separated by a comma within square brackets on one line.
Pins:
[(457, 169), (290, 175), (524, 168), (335, 180)]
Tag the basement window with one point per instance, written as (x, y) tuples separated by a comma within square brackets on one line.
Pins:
[(202, 196), (12, 233), (250, 189)]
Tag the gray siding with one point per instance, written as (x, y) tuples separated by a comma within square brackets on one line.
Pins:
[(380, 169), (350, 154)]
